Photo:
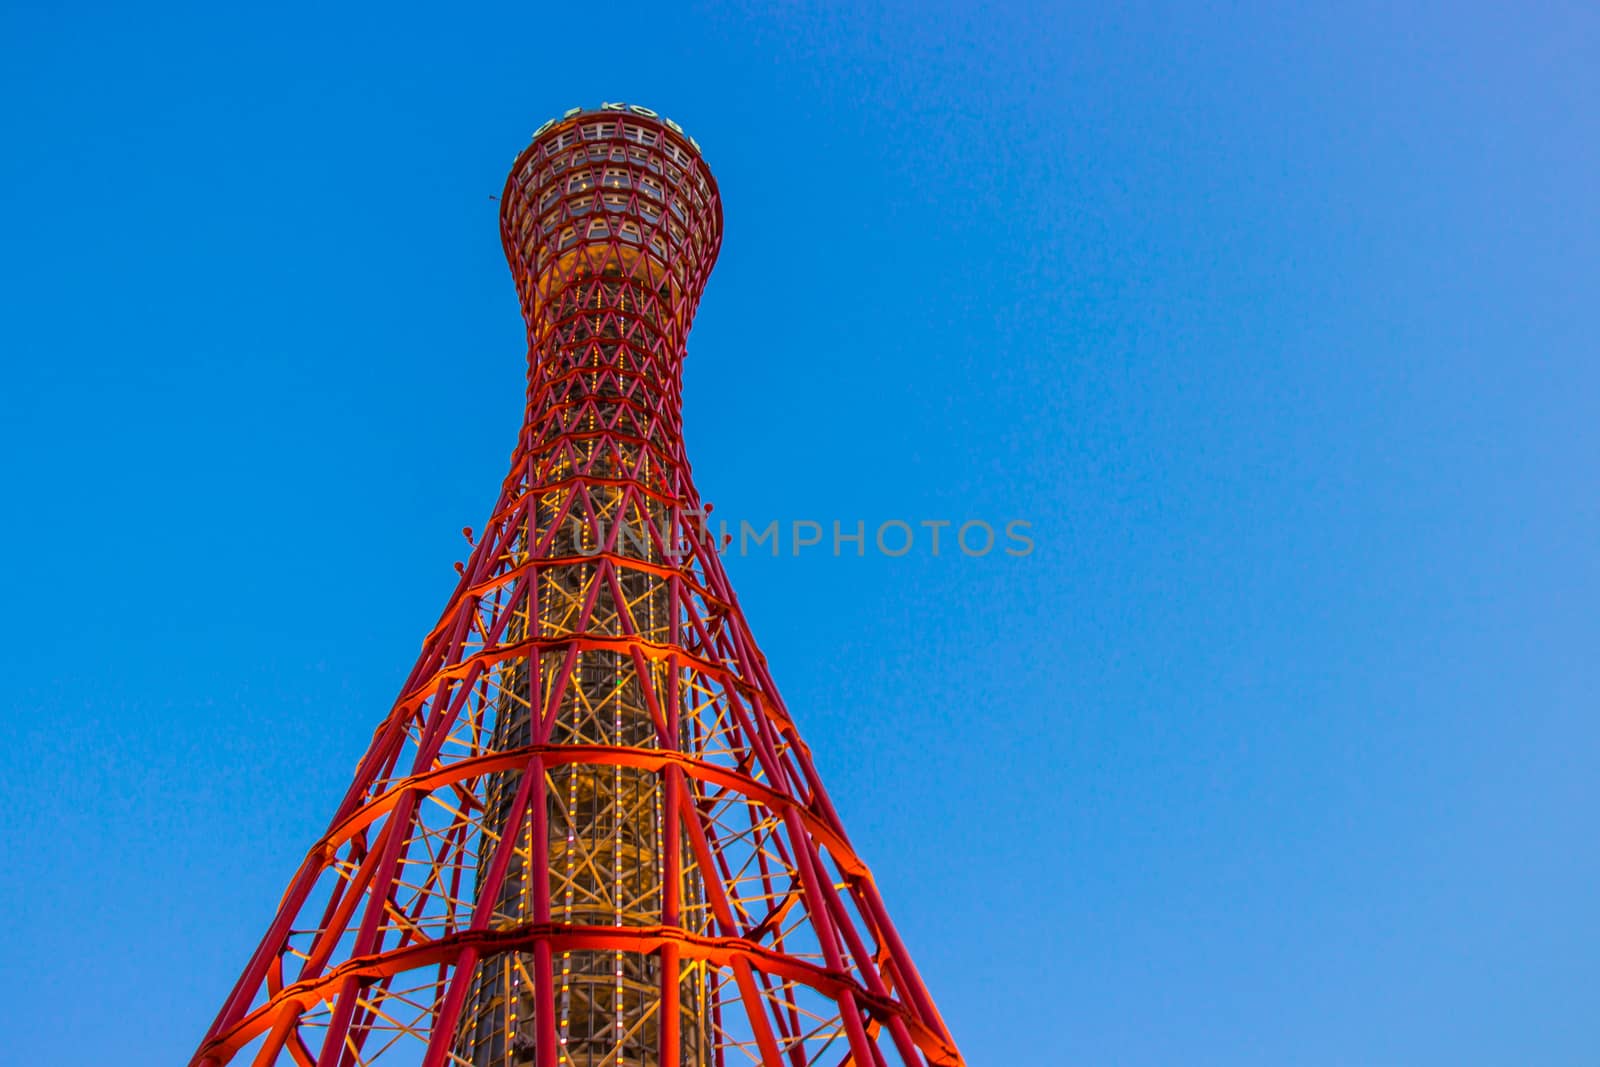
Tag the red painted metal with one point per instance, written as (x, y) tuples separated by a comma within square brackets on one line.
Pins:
[(588, 833)]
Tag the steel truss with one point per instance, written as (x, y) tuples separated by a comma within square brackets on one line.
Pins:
[(588, 833)]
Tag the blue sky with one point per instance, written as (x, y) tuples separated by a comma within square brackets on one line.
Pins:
[(1278, 324)]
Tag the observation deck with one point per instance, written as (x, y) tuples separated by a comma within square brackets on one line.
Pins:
[(617, 191)]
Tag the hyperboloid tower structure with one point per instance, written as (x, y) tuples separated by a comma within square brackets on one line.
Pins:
[(588, 834)]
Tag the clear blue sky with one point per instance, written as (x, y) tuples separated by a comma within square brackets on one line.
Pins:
[(1280, 326)]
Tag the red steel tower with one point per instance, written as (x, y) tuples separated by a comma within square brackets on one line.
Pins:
[(588, 833)]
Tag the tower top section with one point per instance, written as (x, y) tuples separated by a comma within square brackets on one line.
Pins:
[(617, 191), (610, 108)]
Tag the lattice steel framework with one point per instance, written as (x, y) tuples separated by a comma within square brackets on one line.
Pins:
[(588, 833)]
